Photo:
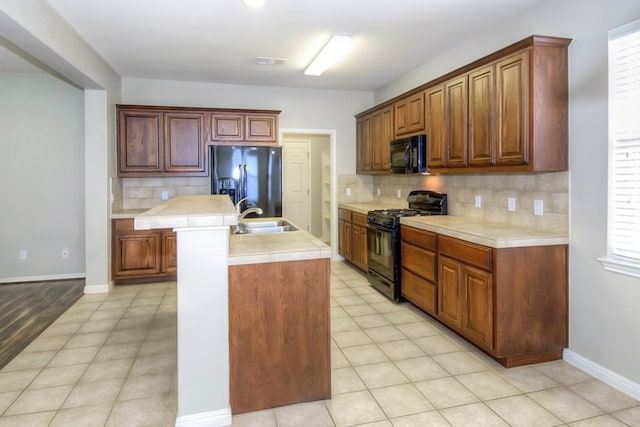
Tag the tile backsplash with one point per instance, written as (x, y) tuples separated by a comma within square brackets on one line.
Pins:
[(493, 189), (146, 193)]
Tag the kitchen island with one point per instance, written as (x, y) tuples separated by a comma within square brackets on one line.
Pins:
[(214, 309)]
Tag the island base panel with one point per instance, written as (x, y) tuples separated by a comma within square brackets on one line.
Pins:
[(279, 334)]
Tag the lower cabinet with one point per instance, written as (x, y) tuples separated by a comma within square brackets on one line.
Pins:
[(510, 302), (142, 255), (279, 334), (352, 237)]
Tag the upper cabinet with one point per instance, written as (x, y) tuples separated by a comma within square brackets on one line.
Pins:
[(506, 112), (172, 141), (240, 127), (409, 114), (374, 133), (155, 142)]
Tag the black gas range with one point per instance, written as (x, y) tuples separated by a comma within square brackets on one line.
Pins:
[(383, 238)]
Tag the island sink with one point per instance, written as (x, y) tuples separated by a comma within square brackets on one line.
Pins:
[(263, 226)]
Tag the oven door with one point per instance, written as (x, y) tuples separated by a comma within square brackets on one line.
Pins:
[(380, 251)]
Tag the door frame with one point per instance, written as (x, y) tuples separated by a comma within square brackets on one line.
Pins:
[(331, 133)]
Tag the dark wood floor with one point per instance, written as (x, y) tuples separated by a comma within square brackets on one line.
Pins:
[(27, 309)]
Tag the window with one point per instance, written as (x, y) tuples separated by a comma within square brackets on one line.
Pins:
[(624, 150)]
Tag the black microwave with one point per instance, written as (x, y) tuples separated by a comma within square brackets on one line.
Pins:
[(409, 155)]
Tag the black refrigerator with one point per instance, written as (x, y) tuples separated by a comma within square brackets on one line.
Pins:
[(250, 172)]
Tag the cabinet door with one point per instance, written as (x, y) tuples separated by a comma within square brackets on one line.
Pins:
[(261, 128), (477, 319), (227, 127), (184, 143), (169, 252), (356, 245), (456, 122), (409, 114), (364, 257), (382, 125), (481, 113), (140, 142), (449, 298), (136, 254), (435, 112), (363, 135), (512, 103), (344, 238)]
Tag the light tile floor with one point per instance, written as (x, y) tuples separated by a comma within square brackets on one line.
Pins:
[(110, 360)]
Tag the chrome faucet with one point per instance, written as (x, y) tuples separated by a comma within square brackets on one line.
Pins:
[(246, 212)]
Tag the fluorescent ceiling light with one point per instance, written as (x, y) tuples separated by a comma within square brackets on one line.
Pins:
[(331, 53), (254, 3)]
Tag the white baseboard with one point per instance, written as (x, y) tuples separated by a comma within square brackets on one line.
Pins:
[(42, 278), (218, 418), (97, 289), (603, 374)]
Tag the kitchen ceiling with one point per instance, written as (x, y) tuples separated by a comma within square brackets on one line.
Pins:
[(219, 40)]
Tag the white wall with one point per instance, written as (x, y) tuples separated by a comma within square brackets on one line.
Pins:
[(301, 108), (42, 176), (603, 306)]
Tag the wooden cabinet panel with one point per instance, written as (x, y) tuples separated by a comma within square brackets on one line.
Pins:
[(374, 132), (419, 291), (422, 238), (184, 142), (169, 252), (512, 115), (262, 128), (481, 117), (141, 255), (364, 152), (244, 128), (409, 114), (477, 319), (352, 238), (227, 127), (382, 126), (456, 122), (449, 298), (140, 142), (279, 335), (419, 261), (436, 135), (467, 252)]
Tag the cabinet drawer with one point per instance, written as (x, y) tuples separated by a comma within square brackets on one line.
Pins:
[(420, 292), (359, 219), (415, 236), (419, 261), (344, 214), (122, 224), (469, 253)]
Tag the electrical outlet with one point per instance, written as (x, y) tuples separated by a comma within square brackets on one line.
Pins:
[(23, 254), (378, 191), (399, 193), (65, 252), (538, 207), (478, 201), (348, 191), (165, 195), (511, 204)]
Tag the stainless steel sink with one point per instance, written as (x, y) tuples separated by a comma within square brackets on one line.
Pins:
[(261, 227)]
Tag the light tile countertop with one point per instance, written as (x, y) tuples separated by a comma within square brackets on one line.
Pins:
[(482, 233), (127, 213), (189, 211), (275, 247)]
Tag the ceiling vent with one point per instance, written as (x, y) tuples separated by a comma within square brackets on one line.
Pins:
[(265, 60)]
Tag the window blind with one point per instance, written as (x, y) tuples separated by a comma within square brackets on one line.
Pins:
[(624, 144)]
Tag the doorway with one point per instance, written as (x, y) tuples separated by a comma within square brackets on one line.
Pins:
[(313, 176)]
